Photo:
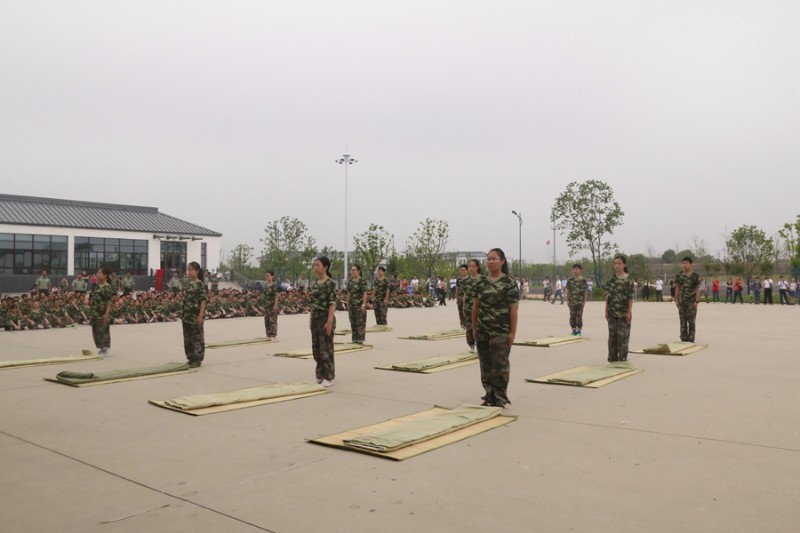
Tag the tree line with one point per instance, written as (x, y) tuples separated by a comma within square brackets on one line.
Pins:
[(586, 214)]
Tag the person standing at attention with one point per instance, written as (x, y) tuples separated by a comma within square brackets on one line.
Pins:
[(619, 310), (494, 320), (269, 300), (687, 296), (100, 308), (576, 298), (322, 321), (381, 295), (357, 292), (193, 313)]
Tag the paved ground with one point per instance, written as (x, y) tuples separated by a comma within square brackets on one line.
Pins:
[(706, 442)]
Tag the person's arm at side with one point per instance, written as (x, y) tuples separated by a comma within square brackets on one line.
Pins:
[(512, 319)]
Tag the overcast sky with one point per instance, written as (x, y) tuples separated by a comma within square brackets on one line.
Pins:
[(231, 114)]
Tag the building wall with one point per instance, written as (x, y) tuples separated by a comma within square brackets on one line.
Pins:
[(153, 248)]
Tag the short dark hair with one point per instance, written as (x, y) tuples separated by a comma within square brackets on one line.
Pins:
[(578, 266), (687, 258), (382, 268)]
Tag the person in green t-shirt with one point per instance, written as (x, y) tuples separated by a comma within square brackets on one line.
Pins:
[(357, 291), (322, 321), (43, 284)]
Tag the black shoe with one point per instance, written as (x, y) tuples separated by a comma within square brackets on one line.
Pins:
[(487, 403), (194, 364)]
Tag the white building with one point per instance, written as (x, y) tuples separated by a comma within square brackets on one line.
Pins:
[(65, 237)]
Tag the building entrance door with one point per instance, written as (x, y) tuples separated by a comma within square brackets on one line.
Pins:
[(173, 256)]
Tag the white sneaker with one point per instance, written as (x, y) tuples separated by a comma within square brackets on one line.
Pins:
[(103, 352), (326, 383)]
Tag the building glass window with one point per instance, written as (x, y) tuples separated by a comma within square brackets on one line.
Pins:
[(23, 253), (118, 255)]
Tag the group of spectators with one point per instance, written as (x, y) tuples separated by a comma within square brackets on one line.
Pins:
[(67, 305)]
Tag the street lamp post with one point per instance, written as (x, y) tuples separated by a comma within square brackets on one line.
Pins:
[(519, 217), (345, 160)]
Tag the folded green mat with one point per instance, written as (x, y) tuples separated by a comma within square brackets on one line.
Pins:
[(377, 328), (241, 342), (547, 341), (669, 348), (201, 401), (433, 362), (76, 378), (584, 376), (87, 355), (438, 335), (337, 347), (420, 430)]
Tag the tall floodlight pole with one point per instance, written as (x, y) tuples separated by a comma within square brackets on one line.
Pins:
[(554, 250), (345, 160), (519, 217)]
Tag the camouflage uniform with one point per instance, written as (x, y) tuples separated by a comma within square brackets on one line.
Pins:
[(468, 298), (620, 293), (686, 294), (323, 295), (495, 298), (358, 316), (194, 345), (576, 297), (380, 286), (101, 332), (463, 318), (270, 314)]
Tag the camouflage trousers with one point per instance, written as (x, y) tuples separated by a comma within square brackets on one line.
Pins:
[(380, 313), (687, 312), (271, 322), (619, 331), (461, 317), (322, 345), (358, 322), (194, 343), (493, 356), (576, 316), (470, 332), (101, 332)]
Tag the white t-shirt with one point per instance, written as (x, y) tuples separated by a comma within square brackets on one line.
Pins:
[(659, 285)]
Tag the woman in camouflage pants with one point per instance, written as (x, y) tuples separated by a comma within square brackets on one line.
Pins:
[(192, 315), (494, 319), (322, 321), (619, 310), (357, 292), (270, 298)]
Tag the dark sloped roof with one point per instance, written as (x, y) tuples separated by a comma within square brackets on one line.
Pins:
[(35, 211)]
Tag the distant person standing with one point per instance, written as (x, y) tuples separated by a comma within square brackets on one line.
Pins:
[(783, 291), (687, 296), (494, 319), (43, 284), (323, 321), (269, 299), (128, 284), (576, 298), (100, 309), (79, 284), (559, 291), (767, 285), (175, 284), (192, 315), (381, 291), (462, 278), (715, 289), (659, 290), (619, 310), (357, 292), (468, 286)]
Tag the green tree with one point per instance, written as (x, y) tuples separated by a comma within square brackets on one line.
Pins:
[(639, 267), (372, 247), (588, 212), (790, 233), (750, 251), (427, 244), (240, 258), (669, 256), (287, 247)]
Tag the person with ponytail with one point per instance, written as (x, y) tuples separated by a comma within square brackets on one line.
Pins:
[(100, 309), (494, 321), (322, 321), (380, 288), (473, 274), (192, 314), (619, 310)]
